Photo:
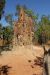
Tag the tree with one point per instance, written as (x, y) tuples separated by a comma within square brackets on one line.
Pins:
[(0, 30), (18, 7), (46, 25), (43, 31), (2, 5), (7, 34), (9, 19), (9, 30)]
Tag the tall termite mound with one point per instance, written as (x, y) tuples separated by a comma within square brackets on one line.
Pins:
[(23, 29)]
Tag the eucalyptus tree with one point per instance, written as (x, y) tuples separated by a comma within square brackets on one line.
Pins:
[(1, 33), (43, 29), (7, 34), (2, 5), (10, 32), (46, 25), (9, 20)]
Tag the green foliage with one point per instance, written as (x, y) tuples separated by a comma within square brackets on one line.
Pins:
[(46, 25), (0, 30), (18, 7), (7, 34), (9, 19), (31, 14), (43, 28), (2, 5), (9, 29)]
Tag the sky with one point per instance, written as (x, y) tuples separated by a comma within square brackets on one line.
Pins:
[(40, 7)]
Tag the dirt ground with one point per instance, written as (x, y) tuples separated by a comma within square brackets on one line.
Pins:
[(21, 59)]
